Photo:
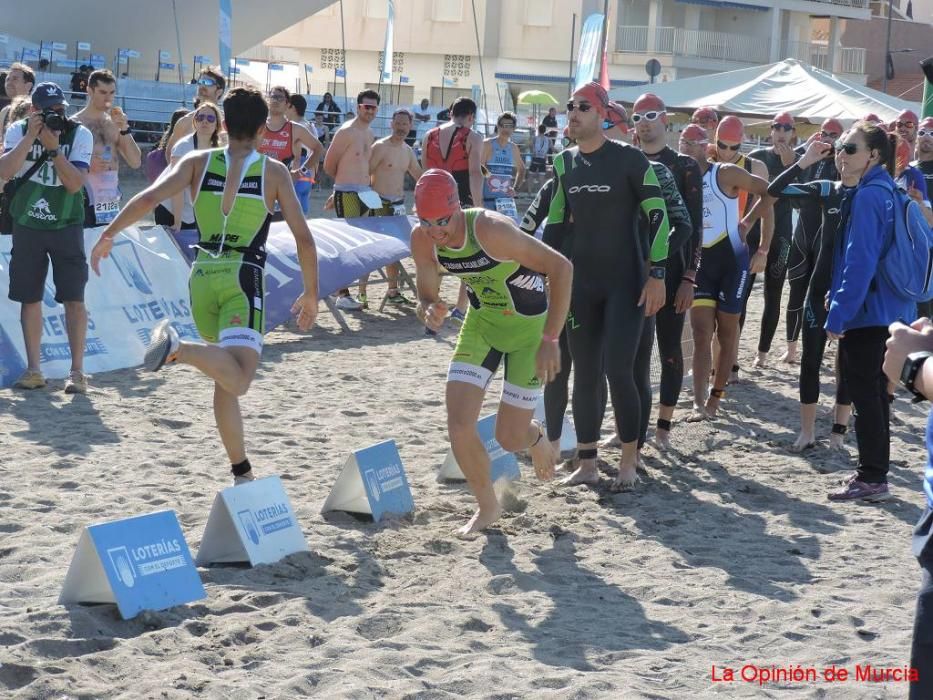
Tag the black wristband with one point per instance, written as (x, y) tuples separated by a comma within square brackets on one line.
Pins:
[(125, 132)]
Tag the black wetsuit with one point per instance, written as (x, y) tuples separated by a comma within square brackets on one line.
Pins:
[(683, 256), (805, 243), (778, 253), (606, 192), (828, 195)]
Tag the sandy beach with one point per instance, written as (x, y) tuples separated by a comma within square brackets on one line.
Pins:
[(727, 554)]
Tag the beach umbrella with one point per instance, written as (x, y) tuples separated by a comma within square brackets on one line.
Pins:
[(535, 98)]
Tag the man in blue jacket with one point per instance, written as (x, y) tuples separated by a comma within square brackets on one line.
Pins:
[(861, 304)]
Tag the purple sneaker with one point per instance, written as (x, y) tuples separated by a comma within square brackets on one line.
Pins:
[(857, 490)]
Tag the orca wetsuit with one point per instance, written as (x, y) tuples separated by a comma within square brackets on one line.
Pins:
[(606, 192)]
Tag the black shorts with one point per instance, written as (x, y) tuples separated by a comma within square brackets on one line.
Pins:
[(29, 264), (538, 165)]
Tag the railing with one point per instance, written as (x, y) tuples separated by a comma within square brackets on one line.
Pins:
[(861, 4), (722, 46)]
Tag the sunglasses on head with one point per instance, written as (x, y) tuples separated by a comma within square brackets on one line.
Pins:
[(782, 127), (727, 147), (925, 132), (693, 144), (371, 108), (849, 148), (207, 82), (906, 125), (277, 98), (648, 116), (205, 118), (583, 106), (443, 221)]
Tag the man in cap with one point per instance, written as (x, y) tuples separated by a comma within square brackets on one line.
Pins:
[(906, 127), (777, 158), (519, 293), (615, 125), (48, 224), (605, 187), (650, 118), (707, 119)]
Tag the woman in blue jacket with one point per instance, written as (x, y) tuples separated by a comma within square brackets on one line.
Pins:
[(861, 304)]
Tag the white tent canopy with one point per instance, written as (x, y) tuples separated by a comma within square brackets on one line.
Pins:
[(806, 92)]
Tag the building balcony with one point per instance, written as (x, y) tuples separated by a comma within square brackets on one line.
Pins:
[(732, 49)]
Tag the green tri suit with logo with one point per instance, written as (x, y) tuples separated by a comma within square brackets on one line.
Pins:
[(508, 307), (226, 282)]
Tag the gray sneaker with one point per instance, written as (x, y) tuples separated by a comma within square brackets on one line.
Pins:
[(164, 344)]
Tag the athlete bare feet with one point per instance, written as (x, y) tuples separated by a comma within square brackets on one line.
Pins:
[(543, 456), (803, 442), (790, 355), (585, 473), (712, 404), (626, 478), (662, 439), (698, 415), (734, 375), (837, 442), (761, 361), (482, 518)]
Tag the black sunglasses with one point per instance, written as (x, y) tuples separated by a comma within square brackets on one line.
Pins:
[(583, 106), (782, 127), (727, 147), (829, 135), (849, 148)]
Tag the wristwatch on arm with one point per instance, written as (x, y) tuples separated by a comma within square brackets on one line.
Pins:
[(912, 367), (657, 272)]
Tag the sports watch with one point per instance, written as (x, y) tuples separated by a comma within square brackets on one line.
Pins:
[(911, 369), (657, 273), (52, 152)]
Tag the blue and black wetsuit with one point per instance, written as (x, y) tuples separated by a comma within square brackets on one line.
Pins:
[(827, 196), (606, 192)]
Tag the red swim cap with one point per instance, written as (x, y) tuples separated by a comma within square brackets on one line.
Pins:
[(730, 129), (695, 133), (871, 118), (907, 115), (832, 126), (595, 94), (648, 102), (436, 194), (705, 114), (927, 123), (615, 115)]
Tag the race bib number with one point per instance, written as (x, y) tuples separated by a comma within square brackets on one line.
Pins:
[(105, 212), (104, 191), (506, 206)]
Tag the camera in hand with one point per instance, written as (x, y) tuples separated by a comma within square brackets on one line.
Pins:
[(55, 121)]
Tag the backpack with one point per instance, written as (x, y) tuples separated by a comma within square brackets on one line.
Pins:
[(155, 164), (907, 262)]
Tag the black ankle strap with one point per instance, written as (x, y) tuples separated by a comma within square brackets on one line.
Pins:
[(587, 454), (717, 393), (664, 424), (839, 428)]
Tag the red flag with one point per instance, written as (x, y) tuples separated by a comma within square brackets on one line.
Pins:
[(604, 65)]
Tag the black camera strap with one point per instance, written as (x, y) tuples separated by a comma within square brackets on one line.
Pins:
[(14, 184)]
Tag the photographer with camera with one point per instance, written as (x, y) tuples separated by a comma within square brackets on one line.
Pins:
[(48, 155)]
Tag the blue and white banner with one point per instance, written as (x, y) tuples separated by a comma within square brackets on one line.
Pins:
[(226, 18), (84, 46), (144, 281), (346, 250), (340, 72), (372, 482), (59, 46), (165, 55), (589, 54), (167, 66), (387, 47)]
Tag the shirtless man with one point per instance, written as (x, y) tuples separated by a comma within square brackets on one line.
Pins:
[(211, 84), (347, 162), (392, 157), (111, 131), (284, 139), (19, 82)]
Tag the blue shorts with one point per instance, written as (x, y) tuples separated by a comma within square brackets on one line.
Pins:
[(723, 277)]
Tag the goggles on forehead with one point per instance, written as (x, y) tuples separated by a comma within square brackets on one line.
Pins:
[(925, 132), (780, 126), (906, 125)]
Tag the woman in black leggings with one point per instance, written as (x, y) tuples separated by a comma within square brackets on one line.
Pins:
[(828, 196)]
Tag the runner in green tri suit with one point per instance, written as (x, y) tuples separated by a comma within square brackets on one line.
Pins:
[(234, 191), (514, 315)]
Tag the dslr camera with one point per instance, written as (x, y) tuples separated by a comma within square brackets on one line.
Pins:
[(55, 121)]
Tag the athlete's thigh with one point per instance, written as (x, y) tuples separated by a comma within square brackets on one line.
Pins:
[(512, 419), (204, 307), (522, 387), (585, 328), (624, 323), (464, 403), (241, 321), (247, 358), (474, 361), (735, 281)]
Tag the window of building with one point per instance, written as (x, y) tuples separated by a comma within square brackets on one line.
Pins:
[(398, 61), (456, 65), (375, 9), (447, 11), (539, 13)]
